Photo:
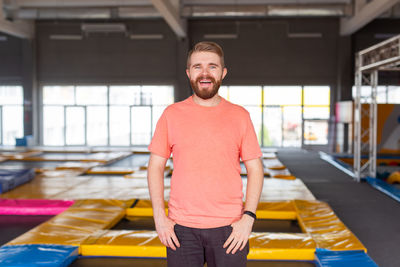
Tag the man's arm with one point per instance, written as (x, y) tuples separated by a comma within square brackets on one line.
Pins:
[(242, 228), (155, 179)]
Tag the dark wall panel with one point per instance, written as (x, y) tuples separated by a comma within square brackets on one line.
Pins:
[(10, 59), (106, 57), (264, 53)]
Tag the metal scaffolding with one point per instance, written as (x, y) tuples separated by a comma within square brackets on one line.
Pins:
[(383, 56)]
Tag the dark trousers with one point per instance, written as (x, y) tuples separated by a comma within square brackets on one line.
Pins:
[(199, 246)]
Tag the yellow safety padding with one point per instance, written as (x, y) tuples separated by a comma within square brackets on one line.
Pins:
[(142, 173), (394, 178), (83, 187), (281, 246), (21, 155), (107, 157), (319, 220), (123, 243), (282, 174), (267, 246), (75, 150), (269, 155), (110, 170), (51, 172), (143, 208), (273, 164), (77, 223), (77, 165), (102, 204), (277, 167), (276, 210), (101, 157)]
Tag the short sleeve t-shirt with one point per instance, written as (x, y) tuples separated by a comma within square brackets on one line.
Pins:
[(207, 144)]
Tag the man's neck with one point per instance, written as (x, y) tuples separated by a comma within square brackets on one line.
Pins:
[(212, 102)]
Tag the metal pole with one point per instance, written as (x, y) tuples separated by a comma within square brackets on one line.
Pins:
[(373, 124), (357, 121)]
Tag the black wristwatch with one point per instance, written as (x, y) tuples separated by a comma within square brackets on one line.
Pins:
[(251, 214)]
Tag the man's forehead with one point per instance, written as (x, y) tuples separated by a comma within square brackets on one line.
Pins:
[(205, 57)]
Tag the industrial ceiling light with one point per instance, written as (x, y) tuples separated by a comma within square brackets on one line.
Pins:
[(67, 37), (305, 35), (103, 28), (146, 36), (220, 36)]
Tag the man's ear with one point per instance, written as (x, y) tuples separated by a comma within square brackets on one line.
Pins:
[(224, 72), (187, 73)]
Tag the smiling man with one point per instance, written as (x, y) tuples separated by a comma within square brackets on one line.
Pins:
[(207, 135)]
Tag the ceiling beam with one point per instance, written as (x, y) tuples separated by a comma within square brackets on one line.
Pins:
[(21, 29), (76, 3), (365, 15), (171, 16)]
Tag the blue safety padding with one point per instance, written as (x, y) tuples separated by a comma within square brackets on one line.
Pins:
[(10, 179), (344, 167), (350, 258), (38, 255), (384, 187)]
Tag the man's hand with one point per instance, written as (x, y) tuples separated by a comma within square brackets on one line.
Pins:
[(166, 233), (240, 234)]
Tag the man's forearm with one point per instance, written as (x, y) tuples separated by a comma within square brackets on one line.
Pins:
[(155, 179), (255, 180)]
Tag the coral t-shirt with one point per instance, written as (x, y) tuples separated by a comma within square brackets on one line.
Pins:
[(206, 143)]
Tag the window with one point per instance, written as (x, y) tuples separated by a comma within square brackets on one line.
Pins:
[(385, 94), (11, 114), (316, 114), (102, 115), (279, 112), (288, 100)]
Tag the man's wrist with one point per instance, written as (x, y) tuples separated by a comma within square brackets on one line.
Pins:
[(250, 214)]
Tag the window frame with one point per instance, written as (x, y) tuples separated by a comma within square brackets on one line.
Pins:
[(108, 106)]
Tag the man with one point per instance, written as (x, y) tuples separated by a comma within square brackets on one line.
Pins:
[(207, 135)]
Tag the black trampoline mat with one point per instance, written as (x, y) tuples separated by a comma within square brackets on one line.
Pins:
[(135, 160), (12, 226), (272, 226), (30, 164)]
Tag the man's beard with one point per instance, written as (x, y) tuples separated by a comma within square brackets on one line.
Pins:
[(205, 94)]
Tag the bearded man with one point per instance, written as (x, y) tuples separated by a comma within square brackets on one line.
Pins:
[(207, 221)]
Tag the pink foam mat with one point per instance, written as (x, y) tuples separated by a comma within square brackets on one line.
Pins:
[(33, 206)]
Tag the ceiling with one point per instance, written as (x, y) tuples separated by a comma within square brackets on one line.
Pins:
[(16, 16)]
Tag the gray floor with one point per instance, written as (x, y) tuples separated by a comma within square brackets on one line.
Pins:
[(372, 216)]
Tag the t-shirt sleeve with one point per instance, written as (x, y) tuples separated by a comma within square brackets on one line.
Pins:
[(159, 144), (249, 149)]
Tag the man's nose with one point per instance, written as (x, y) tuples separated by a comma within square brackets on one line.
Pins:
[(204, 71)]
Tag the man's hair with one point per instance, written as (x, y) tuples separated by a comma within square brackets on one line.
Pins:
[(207, 47)]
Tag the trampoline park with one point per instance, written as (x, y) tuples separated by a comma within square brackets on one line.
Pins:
[(83, 84), (93, 209)]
